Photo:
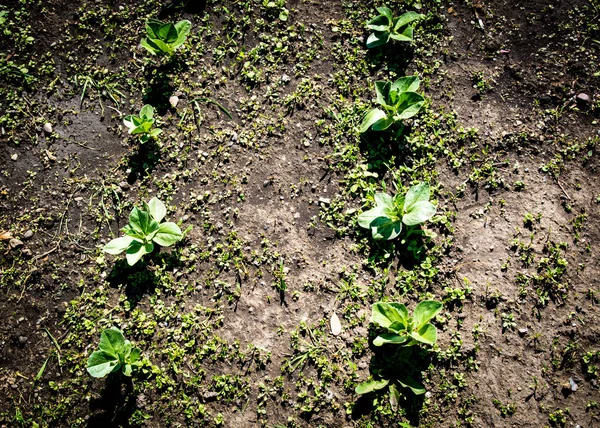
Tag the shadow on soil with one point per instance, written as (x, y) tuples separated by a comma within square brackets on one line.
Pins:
[(143, 161), (117, 404)]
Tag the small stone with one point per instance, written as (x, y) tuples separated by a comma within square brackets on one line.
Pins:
[(22, 340), (48, 128), (582, 99), (28, 234), (174, 100), (523, 331), (15, 243), (286, 79), (325, 201), (14, 157), (26, 252), (336, 325), (124, 185), (573, 385)]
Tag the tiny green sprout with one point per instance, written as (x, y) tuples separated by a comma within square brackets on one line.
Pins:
[(142, 125), (115, 353), (143, 231), (399, 101), (386, 219), (386, 27), (163, 38), (402, 329)]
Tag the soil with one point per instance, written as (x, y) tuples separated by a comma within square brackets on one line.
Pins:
[(234, 321)]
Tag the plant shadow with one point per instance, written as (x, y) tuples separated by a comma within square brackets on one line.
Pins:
[(137, 280), (383, 148), (159, 88), (189, 6), (143, 161), (117, 404), (394, 56)]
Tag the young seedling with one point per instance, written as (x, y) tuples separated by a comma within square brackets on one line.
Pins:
[(115, 353), (142, 125), (386, 219), (163, 38), (143, 231), (404, 331), (399, 101), (386, 27)]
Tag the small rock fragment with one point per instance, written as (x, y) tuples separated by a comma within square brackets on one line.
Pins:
[(582, 99), (325, 201), (523, 331), (336, 325), (174, 100), (124, 185), (574, 386), (15, 243), (22, 340), (48, 128), (28, 234), (14, 157)]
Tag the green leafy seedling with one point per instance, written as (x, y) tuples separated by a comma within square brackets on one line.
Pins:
[(386, 27), (402, 329), (115, 353), (142, 125), (163, 38), (143, 231), (386, 219), (398, 101)]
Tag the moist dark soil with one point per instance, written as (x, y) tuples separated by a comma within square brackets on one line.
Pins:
[(261, 153)]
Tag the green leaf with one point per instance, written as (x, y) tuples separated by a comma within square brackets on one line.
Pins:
[(382, 89), (385, 11), (168, 234), (128, 122), (425, 311), (391, 338), (134, 356), (150, 46), (370, 386), (183, 29), (406, 18), (417, 193), (386, 314), (112, 341), (419, 213), (157, 209), (379, 23), (406, 84), (406, 35), (372, 117), (378, 38), (426, 334), (147, 112), (394, 397), (138, 220), (384, 204), (408, 105), (155, 132), (416, 387), (167, 33), (137, 250), (152, 27), (100, 364), (385, 228), (383, 124), (118, 245)]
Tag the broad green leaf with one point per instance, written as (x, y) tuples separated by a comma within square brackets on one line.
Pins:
[(150, 46), (127, 370), (159, 46), (418, 192), (406, 84), (408, 105), (138, 220), (370, 386), (365, 219), (383, 124), (385, 314), (157, 209), (128, 122), (385, 228), (183, 29), (382, 89), (391, 338), (168, 234), (385, 11), (137, 250), (426, 334), (143, 128), (425, 311), (416, 387), (135, 355), (152, 27), (406, 35), (112, 341), (419, 213), (379, 23), (155, 132), (385, 201), (406, 18), (100, 364), (378, 38), (118, 245), (370, 118), (147, 112), (167, 33)]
